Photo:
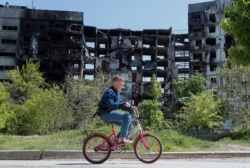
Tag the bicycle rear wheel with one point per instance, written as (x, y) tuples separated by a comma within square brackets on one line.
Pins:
[(148, 149), (96, 148)]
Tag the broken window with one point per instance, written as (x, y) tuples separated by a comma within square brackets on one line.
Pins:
[(197, 56), (212, 17), (196, 29), (212, 67), (132, 58), (60, 25), (160, 57), (146, 58), (89, 66), (160, 79), (195, 15), (134, 68), (27, 25), (43, 25), (26, 50), (89, 77), (146, 79), (76, 28), (212, 55), (198, 43), (146, 46), (10, 28), (213, 80), (161, 68), (197, 67), (90, 44), (7, 67), (102, 45), (41, 52), (228, 39), (26, 38), (58, 38), (134, 76), (7, 54), (8, 41), (211, 41), (42, 39), (212, 29)]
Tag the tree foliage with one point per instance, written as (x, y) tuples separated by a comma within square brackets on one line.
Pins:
[(38, 107), (202, 111), (25, 81), (5, 109), (83, 97), (150, 109), (193, 85), (238, 25), (236, 89)]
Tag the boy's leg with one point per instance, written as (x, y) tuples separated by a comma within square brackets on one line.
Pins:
[(119, 118)]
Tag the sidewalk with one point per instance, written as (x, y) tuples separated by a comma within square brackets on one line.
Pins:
[(46, 155)]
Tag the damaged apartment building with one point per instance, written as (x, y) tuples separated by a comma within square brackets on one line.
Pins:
[(63, 45), (136, 55), (54, 38), (208, 42)]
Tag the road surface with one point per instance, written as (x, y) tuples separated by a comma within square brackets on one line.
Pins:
[(124, 163)]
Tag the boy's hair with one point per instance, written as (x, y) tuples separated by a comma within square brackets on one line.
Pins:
[(117, 78)]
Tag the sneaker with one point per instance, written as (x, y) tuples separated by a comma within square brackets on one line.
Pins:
[(127, 141), (123, 143)]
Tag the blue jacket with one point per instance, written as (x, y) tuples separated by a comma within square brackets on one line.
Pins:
[(111, 101)]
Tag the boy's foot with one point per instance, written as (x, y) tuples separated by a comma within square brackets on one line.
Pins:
[(124, 143)]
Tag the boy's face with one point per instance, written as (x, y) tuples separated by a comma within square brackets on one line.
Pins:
[(118, 85)]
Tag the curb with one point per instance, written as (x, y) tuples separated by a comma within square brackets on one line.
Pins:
[(71, 154)]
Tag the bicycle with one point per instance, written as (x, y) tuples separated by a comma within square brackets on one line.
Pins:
[(97, 146)]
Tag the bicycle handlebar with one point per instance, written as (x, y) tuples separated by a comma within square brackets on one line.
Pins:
[(135, 111)]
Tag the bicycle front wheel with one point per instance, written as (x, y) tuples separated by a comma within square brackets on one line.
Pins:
[(96, 148), (148, 148)]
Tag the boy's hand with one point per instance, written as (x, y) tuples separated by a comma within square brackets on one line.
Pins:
[(128, 105)]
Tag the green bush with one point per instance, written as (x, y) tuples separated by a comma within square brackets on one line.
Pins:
[(45, 112)]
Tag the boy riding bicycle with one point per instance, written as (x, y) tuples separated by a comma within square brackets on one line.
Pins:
[(108, 105)]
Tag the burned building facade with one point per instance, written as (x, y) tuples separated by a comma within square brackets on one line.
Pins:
[(63, 45), (54, 38), (208, 43), (136, 55)]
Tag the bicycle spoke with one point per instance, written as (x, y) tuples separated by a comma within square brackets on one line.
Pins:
[(96, 148), (152, 152)]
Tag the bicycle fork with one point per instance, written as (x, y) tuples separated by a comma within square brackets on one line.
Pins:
[(141, 135)]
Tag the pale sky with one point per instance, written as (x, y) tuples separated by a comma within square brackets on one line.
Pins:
[(129, 14)]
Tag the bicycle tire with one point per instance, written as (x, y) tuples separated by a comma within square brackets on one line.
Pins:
[(96, 148), (151, 154)]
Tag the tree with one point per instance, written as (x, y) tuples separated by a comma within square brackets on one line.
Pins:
[(25, 81), (5, 109), (39, 108), (202, 111), (44, 112), (238, 25), (236, 90), (83, 97), (193, 85), (152, 115)]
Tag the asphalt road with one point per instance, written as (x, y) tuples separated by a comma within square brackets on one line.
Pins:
[(132, 163)]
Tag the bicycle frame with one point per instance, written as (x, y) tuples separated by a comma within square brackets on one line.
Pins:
[(130, 134), (97, 147)]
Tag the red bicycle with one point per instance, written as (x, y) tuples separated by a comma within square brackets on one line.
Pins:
[(97, 146)]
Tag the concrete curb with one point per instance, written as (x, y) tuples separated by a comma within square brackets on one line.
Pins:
[(21, 155), (71, 154)]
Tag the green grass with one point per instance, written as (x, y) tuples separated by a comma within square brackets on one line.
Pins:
[(72, 140)]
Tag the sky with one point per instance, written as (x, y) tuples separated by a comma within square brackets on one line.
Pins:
[(129, 14)]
